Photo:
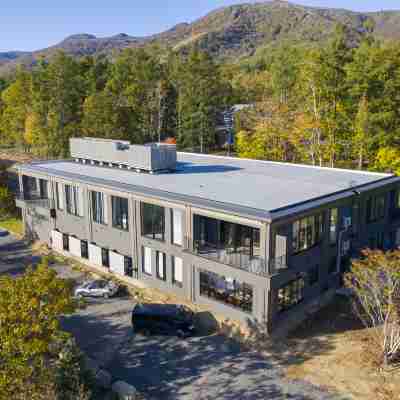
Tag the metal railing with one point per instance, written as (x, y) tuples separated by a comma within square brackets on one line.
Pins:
[(33, 199), (278, 264), (228, 256)]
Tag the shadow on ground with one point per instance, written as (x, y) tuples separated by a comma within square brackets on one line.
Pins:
[(203, 367)]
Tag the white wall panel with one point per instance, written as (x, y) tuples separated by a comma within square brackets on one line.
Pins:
[(74, 246), (95, 254), (57, 240), (116, 263)]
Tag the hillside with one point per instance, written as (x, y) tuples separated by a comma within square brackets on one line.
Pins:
[(229, 32)]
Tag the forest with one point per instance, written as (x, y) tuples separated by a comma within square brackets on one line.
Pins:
[(336, 105)]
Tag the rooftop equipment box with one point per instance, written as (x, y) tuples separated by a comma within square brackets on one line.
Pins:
[(149, 157)]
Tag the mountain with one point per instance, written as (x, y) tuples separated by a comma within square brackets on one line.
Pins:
[(230, 32)]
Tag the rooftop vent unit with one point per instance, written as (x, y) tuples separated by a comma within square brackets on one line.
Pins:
[(151, 157)]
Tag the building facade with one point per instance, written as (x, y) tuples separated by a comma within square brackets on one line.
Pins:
[(252, 241)]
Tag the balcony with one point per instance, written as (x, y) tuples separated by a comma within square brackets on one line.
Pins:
[(32, 200), (228, 256), (277, 265)]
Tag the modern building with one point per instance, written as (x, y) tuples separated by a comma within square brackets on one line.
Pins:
[(251, 240)]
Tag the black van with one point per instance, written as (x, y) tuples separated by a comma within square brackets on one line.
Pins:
[(164, 319)]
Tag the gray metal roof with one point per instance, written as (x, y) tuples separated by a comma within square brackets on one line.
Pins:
[(251, 187)]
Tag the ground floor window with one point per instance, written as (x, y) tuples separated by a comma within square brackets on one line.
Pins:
[(177, 271), (226, 290), (313, 275), (291, 294), (128, 267), (147, 261), (160, 265), (84, 249), (105, 258), (65, 242)]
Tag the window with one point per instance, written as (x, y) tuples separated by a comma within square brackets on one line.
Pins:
[(177, 231), (60, 196), (177, 271), (355, 216), (228, 242), (30, 189), (128, 266), (333, 266), (313, 275), (153, 221), (119, 212), (291, 294), (84, 249), (105, 258), (43, 188), (99, 207), (160, 265), (397, 199), (333, 226), (65, 242), (147, 261), (226, 290), (307, 232), (74, 200), (376, 208)]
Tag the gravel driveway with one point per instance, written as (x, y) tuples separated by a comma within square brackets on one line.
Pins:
[(199, 368)]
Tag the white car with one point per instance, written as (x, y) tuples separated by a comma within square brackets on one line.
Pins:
[(97, 288)]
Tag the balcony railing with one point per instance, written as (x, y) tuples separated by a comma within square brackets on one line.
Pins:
[(277, 264), (228, 256), (33, 199)]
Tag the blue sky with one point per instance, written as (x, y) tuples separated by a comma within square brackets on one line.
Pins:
[(34, 24)]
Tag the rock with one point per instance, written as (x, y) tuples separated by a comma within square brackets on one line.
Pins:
[(103, 379), (124, 390)]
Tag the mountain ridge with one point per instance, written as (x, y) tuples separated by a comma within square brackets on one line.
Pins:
[(231, 32)]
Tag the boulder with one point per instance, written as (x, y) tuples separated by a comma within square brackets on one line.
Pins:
[(124, 390)]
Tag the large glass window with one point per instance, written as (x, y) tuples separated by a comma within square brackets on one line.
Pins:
[(128, 266), (228, 242), (105, 258), (30, 187), (290, 294), (307, 232), (60, 196), (153, 221), (333, 223), (119, 212), (177, 271), (43, 188), (147, 261), (74, 200), (376, 208), (99, 207), (160, 265), (177, 227), (226, 290)]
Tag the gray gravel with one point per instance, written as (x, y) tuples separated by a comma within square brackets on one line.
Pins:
[(199, 368)]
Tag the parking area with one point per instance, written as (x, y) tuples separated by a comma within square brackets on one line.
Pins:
[(197, 368)]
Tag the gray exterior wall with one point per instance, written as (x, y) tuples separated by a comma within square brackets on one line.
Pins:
[(265, 287)]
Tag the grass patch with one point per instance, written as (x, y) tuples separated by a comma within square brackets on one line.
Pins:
[(13, 225)]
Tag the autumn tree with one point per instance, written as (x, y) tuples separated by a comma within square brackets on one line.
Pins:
[(30, 336), (375, 281)]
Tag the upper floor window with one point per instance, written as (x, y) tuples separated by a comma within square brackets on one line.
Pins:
[(376, 208), (307, 232), (120, 212), (99, 207), (153, 221), (333, 223), (60, 196), (43, 189), (74, 200), (177, 227)]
